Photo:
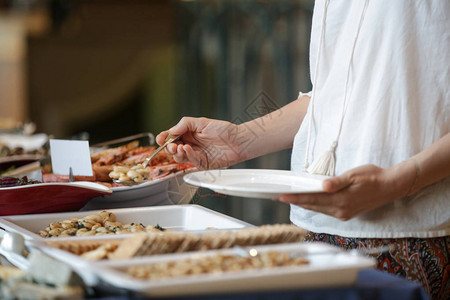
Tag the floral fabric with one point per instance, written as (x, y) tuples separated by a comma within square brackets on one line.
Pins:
[(423, 260)]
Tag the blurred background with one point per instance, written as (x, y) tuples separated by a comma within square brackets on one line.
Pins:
[(105, 69)]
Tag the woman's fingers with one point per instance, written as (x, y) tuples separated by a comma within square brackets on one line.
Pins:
[(171, 148), (335, 184), (200, 161), (189, 124), (178, 153), (201, 143), (185, 153), (331, 211), (160, 138), (182, 126), (185, 125), (336, 205), (306, 199), (355, 191)]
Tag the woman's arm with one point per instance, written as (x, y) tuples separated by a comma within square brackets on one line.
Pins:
[(431, 165), (275, 131), (209, 143)]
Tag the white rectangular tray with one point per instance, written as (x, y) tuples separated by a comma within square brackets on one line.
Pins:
[(328, 266), (188, 217)]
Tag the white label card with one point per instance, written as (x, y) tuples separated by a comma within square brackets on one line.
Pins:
[(68, 154)]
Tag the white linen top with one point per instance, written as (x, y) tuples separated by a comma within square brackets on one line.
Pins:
[(398, 104)]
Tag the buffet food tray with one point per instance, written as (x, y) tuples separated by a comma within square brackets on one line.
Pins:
[(188, 217), (168, 190), (327, 266)]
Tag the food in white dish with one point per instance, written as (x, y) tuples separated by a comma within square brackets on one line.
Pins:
[(218, 263), (95, 224), (143, 244)]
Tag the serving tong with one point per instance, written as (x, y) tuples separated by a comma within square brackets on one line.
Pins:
[(170, 139)]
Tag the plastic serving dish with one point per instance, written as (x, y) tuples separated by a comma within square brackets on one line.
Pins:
[(188, 217), (328, 266)]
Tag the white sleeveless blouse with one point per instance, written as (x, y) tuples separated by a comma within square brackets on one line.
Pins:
[(398, 104)]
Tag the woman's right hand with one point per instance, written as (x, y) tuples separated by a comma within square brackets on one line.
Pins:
[(207, 143)]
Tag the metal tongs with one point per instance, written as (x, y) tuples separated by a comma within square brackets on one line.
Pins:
[(170, 138)]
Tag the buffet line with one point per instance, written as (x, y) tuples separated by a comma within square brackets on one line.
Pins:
[(62, 236)]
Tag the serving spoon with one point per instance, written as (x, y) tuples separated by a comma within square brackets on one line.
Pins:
[(170, 138)]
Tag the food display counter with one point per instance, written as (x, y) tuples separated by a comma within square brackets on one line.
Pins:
[(190, 252), (121, 242)]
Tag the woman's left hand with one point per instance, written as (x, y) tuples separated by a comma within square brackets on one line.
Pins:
[(356, 191)]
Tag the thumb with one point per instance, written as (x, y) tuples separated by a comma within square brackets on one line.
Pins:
[(335, 184), (183, 126), (187, 124)]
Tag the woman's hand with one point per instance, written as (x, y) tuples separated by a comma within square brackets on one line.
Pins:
[(357, 191), (207, 143), (368, 187)]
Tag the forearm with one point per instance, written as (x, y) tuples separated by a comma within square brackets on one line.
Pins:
[(274, 131), (425, 168)]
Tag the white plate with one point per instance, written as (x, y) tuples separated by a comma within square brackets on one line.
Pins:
[(189, 217), (328, 266), (256, 183)]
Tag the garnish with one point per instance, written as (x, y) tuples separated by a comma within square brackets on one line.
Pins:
[(159, 227), (13, 181)]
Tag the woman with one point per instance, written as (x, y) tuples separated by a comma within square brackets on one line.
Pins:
[(378, 118)]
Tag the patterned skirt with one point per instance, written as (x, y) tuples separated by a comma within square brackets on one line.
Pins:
[(423, 260)]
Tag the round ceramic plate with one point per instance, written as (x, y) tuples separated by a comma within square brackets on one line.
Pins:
[(256, 183)]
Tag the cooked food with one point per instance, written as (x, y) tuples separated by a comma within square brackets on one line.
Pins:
[(96, 224), (113, 155), (101, 252), (125, 163), (136, 173), (149, 244), (214, 264), (89, 249), (142, 244)]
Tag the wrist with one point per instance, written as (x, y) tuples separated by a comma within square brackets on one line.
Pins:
[(405, 177), (414, 185), (245, 142)]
